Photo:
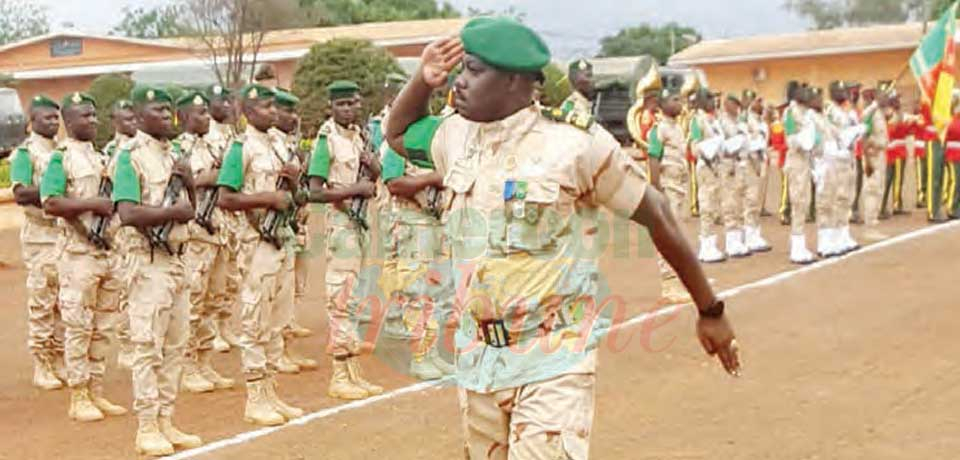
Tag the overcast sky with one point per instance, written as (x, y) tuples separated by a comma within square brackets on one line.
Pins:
[(572, 27)]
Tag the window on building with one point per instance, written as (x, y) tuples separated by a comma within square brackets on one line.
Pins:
[(66, 46)]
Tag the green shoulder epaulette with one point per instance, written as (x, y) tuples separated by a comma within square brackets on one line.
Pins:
[(570, 116)]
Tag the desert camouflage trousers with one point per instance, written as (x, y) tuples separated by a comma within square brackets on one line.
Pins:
[(44, 324), (266, 306)]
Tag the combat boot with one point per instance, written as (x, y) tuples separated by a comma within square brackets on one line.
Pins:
[(341, 386), (150, 441), (286, 366), (192, 380), (734, 244), (755, 241), (102, 403), (82, 408), (304, 363), (44, 376), (287, 411), (176, 437), (259, 409), (210, 374), (356, 376), (299, 331), (799, 254)]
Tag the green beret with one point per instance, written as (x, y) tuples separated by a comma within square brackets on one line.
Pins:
[(505, 44), (192, 98), (256, 91), (342, 89), (395, 79), (122, 104), (733, 98), (217, 91), (77, 98), (286, 99), (40, 100), (580, 65), (145, 94)]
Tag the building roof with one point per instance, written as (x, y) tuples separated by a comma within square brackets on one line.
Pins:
[(812, 43)]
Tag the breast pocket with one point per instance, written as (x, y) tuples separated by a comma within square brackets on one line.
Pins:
[(264, 173), (534, 222)]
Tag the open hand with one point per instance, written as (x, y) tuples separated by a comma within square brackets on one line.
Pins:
[(716, 336), (438, 59)]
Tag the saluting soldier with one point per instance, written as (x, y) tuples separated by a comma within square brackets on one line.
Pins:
[(706, 142), (258, 180), (732, 170), (158, 298), (848, 132), (206, 257), (339, 155), (801, 139), (38, 242), (503, 157)]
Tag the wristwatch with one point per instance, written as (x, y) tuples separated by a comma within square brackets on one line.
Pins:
[(714, 311)]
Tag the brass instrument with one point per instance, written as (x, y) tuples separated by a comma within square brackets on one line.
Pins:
[(649, 81)]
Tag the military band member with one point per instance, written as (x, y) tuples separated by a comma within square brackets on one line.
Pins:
[(338, 159), (580, 74), (733, 175), (706, 142), (89, 274), (255, 178), (875, 143), (801, 139), (159, 303), (206, 257), (754, 167), (899, 129), (951, 168), (848, 129), (38, 240), (502, 156)]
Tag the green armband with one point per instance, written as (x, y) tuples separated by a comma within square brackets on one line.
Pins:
[(126, 183)]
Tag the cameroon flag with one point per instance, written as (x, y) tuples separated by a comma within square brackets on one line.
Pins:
[(934, 66)]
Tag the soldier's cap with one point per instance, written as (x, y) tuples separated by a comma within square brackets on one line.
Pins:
[(579, 65), (256, 91), (75, 99), (41, 101), (217, 91), (146, 94), (342, 89), (505, 44), (816, 92), (285, 98), (733, 98), (122, 104), (192, 98), (395, 80)]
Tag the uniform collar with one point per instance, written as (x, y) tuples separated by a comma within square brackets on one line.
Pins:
[(150, 141), (349, 131), (41, 141), (255, 133)]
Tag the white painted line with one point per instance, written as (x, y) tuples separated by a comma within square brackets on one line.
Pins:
[(639, 319)]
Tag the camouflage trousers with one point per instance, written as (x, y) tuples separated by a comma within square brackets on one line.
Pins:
[(89, 300), (346, 253), (673, 180), (159, 314), (797, 168), (206, 265), (873, 187), (44, 324), (846, 190), (834, 195), (732, 192), (708, 197), (544, 420), (751, 174), (266, 307)]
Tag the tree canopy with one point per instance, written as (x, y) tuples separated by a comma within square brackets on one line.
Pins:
[(661, 42), (20, 19), (829, 14)]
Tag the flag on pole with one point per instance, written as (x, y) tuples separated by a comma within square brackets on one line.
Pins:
[(934, 65)]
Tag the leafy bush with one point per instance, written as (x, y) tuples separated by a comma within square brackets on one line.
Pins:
[(108, 89)]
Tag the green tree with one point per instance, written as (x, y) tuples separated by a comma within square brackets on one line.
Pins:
[(829, 14), (106, 90), (158, 22), (20, 19), (338, 12), (659, 42), (340, 59), (556, 87)]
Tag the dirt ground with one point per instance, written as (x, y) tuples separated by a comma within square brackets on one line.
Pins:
[(852, 360)]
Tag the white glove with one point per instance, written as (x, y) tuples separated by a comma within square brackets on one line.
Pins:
[(734, 144), (710, 147)]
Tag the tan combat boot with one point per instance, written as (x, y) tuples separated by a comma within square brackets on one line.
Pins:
[(304, 363), (210, 374), (356, 376), (150, 441), (102, 403), (299, 331), (341, 386), (287, 411), (176, 437), (286, 366), (44, 376), (259, 409), (192, 380), (82, 408)]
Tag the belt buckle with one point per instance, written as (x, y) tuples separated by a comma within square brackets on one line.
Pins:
[(495, 333)]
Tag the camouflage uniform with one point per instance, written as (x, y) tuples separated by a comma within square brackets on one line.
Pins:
[(875, 147), (220, 137), (38, 239), (705, 143), (527, 176), (90, 278)]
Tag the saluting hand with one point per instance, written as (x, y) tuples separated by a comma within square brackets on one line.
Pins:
[(438, 59)]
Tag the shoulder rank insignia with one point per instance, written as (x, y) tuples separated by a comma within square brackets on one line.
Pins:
[(576, 118)]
